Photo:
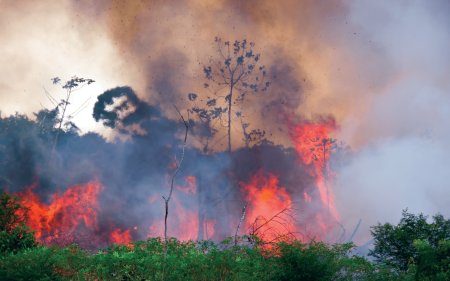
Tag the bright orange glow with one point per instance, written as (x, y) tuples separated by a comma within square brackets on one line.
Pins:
[(121, 237), (309, 140), (78, 204), (267, 199), (74, 210), (184, 222)]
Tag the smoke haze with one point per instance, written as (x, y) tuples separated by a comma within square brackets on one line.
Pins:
[(379, 68)]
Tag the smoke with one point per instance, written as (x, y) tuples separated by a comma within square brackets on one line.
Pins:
[(379, 68), (400, 157)]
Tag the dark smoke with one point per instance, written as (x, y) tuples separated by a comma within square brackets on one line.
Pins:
[(135, 170)]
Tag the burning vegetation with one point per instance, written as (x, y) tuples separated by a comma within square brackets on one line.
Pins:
[(83, 189)]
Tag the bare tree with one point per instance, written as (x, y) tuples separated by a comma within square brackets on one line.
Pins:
[(178, 165), (240, 222), (74, 84), (234, 72)]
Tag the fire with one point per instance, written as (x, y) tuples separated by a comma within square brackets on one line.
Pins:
[(76, 210), (121, 237), (183, 220), (190, 187), (307, 198), (312, 143), (78, 204), (267, 199)]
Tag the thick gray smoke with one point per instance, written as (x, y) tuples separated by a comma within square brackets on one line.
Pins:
[(401, 144)]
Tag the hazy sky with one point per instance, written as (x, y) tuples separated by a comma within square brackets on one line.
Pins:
[(379, 67)]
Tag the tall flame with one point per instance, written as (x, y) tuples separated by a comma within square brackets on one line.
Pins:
[(313, 146)]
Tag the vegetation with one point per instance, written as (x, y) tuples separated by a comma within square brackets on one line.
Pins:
[(22, 258), (14, 234), (414, 249), (414, 244), (234, 75)]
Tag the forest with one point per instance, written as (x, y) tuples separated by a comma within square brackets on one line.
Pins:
[(72, 205)]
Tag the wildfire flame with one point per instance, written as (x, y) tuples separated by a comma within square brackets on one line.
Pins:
[(267, 200), (313, 146), (73, 211)]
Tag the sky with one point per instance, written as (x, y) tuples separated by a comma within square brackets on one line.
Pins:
[(380, 68)]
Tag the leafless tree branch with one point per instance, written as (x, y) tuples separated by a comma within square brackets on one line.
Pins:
[(186, 124)]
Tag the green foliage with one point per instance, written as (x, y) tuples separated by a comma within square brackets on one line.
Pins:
[(394, 245), (300, 262), (30, 264), (21, 237), (433, 262), (14, 234), (12, 212), (143, 260), (22, 259)]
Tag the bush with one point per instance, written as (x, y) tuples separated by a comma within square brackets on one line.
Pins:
[(19, 238), (14, 234), (12, 212), (394, 245), (304, 262)]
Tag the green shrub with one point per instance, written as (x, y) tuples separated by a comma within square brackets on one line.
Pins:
[(394, 244), (19, 238), (30, 264), (12, 212), (304, 262), (14, 234)]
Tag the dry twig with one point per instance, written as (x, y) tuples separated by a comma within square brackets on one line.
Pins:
[(186, 124)]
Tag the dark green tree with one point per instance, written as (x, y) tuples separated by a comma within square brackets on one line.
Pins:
[(394, 244)]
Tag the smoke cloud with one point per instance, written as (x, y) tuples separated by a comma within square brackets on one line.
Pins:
[(379, 68)]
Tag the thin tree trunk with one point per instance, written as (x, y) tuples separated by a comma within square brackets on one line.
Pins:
[(186, 124), (60, 124), (239, 226)]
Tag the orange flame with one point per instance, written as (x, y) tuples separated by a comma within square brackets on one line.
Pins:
[(78, 204), (191, 186), (310, 143), (267, 199), (121, 237), (76, 209), (184, 222), (307, 198)]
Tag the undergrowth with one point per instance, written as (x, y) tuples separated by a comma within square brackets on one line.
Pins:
[(23, 258), (204, 260)]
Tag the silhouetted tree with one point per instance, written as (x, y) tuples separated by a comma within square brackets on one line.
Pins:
[(234, 72), (74, 84)]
